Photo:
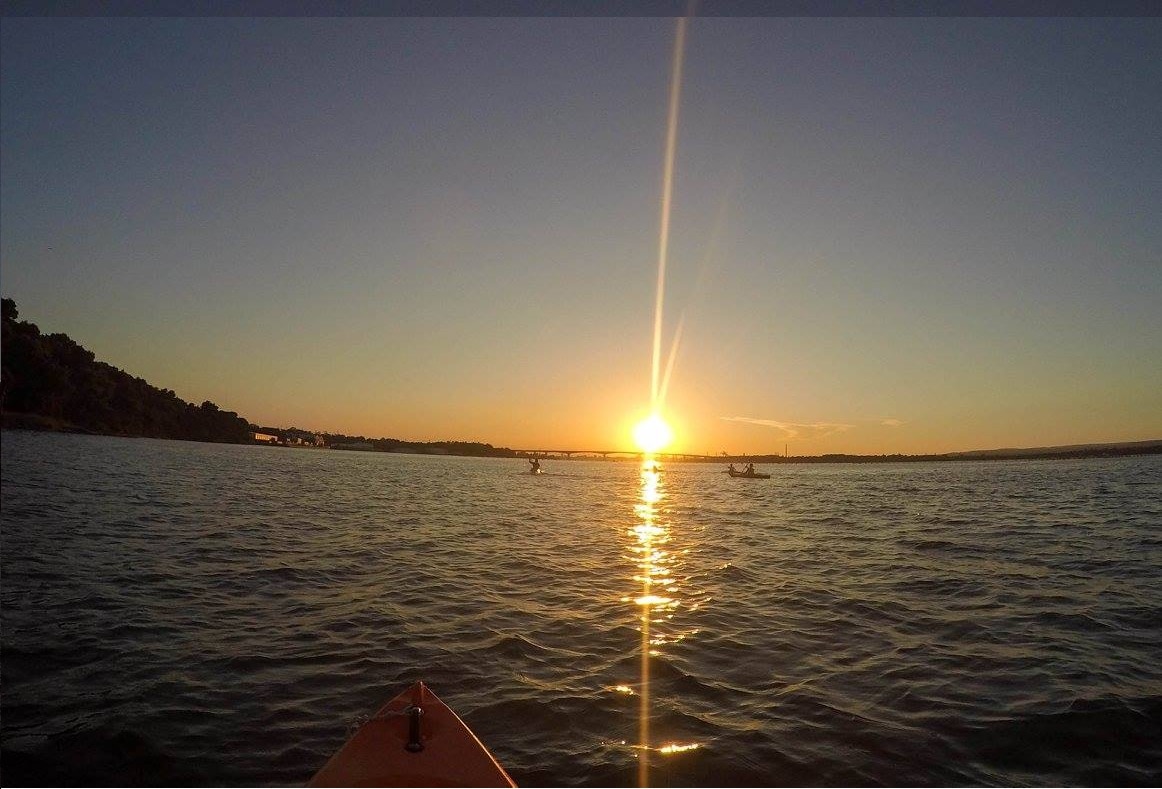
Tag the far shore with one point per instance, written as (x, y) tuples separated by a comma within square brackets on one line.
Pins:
[(16, 421), (1153, 447)]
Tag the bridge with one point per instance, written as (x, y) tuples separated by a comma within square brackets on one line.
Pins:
[(617, 454)]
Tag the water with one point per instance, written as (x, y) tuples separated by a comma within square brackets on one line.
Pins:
[(190, 614)]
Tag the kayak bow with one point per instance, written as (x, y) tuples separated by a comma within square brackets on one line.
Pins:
[(414, 740)]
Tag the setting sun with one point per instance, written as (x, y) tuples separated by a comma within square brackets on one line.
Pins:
[(652, 434)]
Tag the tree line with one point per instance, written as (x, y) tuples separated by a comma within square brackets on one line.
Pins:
[(460, 448), (54, 382)]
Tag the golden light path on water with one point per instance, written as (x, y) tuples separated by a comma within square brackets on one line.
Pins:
[(656, 566), (650, 537)]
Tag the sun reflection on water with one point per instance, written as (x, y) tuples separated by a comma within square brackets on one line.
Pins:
[(676, 747), (660, 595), (654, 572), (650, 557)]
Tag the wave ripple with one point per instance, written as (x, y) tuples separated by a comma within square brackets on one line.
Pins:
[(187, 614)]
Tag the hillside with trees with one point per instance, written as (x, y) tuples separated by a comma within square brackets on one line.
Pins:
[(50, 382)]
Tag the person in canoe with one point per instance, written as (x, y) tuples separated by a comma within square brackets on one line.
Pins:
[(749, 469), (536, 466), (731, 469)]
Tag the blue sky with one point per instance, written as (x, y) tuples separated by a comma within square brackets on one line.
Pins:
[(887, 234)]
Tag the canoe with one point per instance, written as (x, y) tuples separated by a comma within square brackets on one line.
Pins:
[(413, 740), (744, 475)]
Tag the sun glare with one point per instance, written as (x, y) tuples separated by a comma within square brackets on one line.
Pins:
[(652, 434)]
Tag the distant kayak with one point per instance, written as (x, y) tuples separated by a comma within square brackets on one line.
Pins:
[(745, 475), (414, 740)]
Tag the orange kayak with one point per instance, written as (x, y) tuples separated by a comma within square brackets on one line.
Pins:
[(414, 740)]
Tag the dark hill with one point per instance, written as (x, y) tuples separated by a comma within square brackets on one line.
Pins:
[(49, 381)]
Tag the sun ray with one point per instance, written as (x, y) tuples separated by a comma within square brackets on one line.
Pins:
[(667, 193), (670, 361)]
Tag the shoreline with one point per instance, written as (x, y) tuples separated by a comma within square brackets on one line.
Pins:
[(39, 423)]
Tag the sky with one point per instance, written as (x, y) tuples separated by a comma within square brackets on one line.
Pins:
[(887, 234)]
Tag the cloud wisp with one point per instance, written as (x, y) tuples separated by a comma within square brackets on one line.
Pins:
[(791, 430)]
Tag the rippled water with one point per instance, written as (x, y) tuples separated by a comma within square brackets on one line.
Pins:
[(179, 613)]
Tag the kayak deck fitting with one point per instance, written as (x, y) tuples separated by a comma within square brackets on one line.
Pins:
[(413, 740)]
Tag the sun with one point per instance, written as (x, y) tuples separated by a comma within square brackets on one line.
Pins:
[(652, 434)]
